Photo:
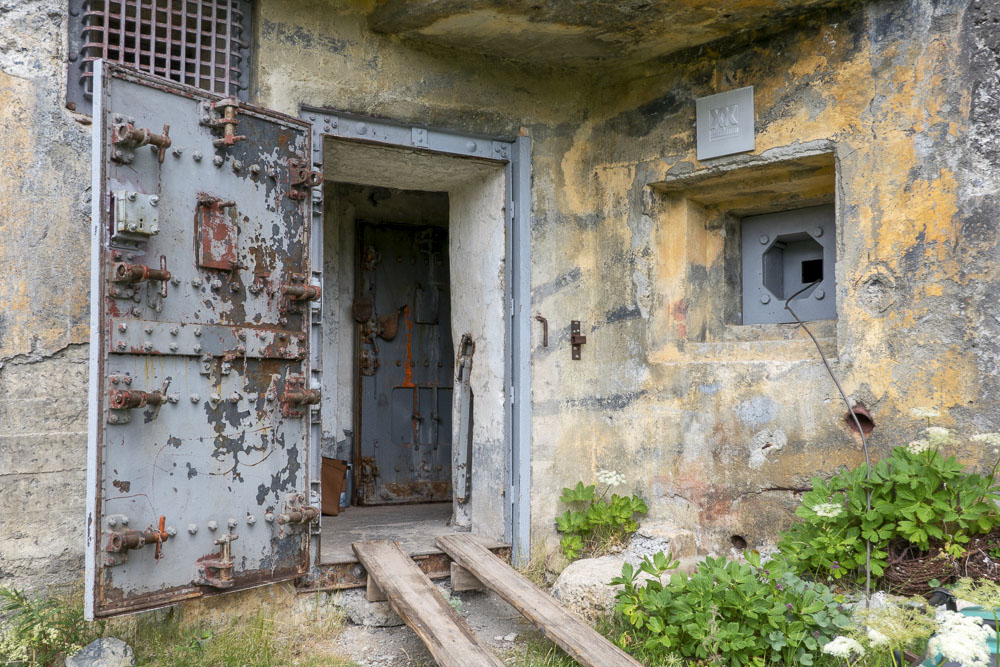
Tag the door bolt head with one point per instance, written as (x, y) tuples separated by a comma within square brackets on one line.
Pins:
[(196, 282), (175, 280), (242, 335), (197, 349), (218, 160), (195, 398), (131, 196), (192, 528), (764, 239), (174, 331), (196, 156), (121, 345), (177, 152), (237, 165), (123, 327), (819, 294), (251, 519), (235, 398), (148, 328), (197, 331), (154, 201), (213, 525), (232, 523), (818, 232), (137, 311), (112, 521), (173, 347), (269, 517), (147, 346), (171, 531), (127, 379), (173, 398), (255, 169), (765, 298)]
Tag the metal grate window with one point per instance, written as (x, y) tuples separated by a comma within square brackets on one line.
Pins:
[(203, 43)]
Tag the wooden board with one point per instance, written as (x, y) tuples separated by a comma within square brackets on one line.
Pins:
[(422, 607), (560, 625)]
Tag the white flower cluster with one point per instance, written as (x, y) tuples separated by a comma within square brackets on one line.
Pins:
[(876, 638), (843, 647), (937, 435), (961, 639), (991, 439), (925, 413), (828, 510), (610, 477), (918, 446)]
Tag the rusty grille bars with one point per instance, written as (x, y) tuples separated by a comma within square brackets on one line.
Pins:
[(202, 43)]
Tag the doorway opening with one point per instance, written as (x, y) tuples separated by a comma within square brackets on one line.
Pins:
[(414, 260)]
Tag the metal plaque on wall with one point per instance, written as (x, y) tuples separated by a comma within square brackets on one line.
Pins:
[(725, 123)]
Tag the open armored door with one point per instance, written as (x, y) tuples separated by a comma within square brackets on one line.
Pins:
[(200, 398)]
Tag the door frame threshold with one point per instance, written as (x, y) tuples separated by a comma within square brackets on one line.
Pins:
[(348, 574)]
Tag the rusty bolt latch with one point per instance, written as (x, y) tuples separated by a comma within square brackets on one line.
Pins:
[(296, 395), (125, 399), (125, 272), (125, 135), (302, 292), (120, 542), (296, 515)]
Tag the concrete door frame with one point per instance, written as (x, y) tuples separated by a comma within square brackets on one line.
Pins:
[(515, 156)]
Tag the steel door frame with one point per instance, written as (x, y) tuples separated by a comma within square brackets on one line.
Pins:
[(515, 155)]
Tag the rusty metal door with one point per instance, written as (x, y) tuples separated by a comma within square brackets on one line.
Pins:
[(405, 365), (201, 294)]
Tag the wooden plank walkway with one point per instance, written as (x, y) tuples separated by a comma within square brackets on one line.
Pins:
[(422, 607), (563, 627)]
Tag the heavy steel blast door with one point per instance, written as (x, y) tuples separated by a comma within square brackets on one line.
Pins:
[(200, 399), (405, 363)]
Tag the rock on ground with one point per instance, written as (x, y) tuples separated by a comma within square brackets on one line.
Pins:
[(654, 537), (584, 586), (106, 652), (362, 612)]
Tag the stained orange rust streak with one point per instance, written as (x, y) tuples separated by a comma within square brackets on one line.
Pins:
[(408, 377)]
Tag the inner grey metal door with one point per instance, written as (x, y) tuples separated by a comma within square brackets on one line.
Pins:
[(405, 366), (199, 395)]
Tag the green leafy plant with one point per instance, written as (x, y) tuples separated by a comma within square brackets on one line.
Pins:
[(729, 613), (597, 524), (41, 631), (918, 496)]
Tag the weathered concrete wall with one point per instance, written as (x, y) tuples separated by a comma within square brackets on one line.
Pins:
[(683, 400), (671, 390), (44, 308)]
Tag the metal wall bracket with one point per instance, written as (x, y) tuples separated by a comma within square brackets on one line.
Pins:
[(575, 339)]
